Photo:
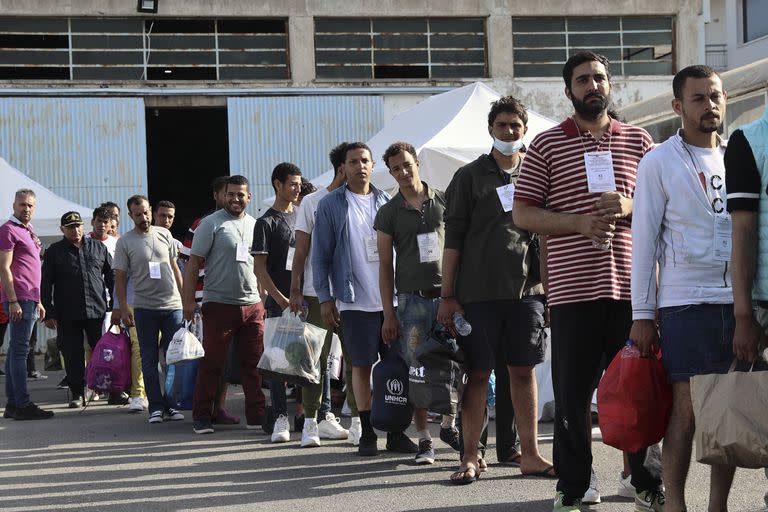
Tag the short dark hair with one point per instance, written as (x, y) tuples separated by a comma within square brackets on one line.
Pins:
[(397, 148), (282, 171), (164, 204), (697, 71), (238, 179), (307, 187), (337, 155), (219, 183), (510, 105), (136, 199), (102, 212), (110, 204), (577, 59), (355, 145)]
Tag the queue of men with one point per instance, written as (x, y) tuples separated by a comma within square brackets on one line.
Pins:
[(590, 228)]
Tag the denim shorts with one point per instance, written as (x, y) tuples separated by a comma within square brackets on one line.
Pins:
[(696, 339), (362, 336)]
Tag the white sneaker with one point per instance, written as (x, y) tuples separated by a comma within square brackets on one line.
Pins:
[(91, 395), (280, 434), (174, 415), (156, 417), (309, 435), (626, 489), (355, 431), (346, 411), (592, 496), (137, 404), (330, 428)]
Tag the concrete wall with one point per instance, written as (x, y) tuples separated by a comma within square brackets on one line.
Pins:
[(543, 95)]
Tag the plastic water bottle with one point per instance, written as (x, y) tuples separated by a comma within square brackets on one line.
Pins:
[(462, 326)]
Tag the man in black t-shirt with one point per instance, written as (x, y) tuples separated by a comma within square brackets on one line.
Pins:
[(273, 256), (746, 190)]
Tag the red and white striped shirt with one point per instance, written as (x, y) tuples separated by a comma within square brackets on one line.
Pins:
[(553, 176)]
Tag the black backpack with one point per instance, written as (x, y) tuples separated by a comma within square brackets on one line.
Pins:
[(392, 409)]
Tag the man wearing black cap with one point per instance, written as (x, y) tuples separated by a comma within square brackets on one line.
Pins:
[(76, 273)]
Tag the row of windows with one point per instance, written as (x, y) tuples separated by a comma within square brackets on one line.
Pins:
[(345, 48)]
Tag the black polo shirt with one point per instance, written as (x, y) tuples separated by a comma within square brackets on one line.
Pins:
[(75, 280)]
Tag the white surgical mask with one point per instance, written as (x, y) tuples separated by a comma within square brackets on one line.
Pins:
[(507, 148)]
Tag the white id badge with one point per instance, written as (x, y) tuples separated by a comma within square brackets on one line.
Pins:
[(371, 249), (429, 249), (154, 270), (506, 196), (289, 258), (242, 252), (600, 177), (722, 247)]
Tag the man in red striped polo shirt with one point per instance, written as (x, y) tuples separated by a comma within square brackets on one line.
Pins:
[(576, 187)]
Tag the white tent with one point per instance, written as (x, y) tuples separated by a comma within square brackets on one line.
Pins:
[(448, 130), (50, 207)]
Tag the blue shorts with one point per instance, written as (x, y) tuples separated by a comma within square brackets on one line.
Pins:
[(362, 336), (696, 339)]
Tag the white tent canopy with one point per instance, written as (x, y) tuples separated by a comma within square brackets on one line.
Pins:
[(50, 207), (448, 131)]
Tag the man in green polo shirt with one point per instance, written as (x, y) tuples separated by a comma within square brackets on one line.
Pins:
[(411, 223)]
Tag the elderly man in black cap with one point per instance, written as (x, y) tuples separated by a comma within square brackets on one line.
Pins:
[(76, 273)]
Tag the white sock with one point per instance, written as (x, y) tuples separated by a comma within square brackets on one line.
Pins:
[(449, 421), (424, 434)]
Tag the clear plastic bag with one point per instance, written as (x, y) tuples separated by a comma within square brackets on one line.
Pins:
[(291, 349)]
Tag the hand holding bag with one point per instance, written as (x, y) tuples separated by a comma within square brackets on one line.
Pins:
[(184, 347), (731, 412), (634, 400), (291, 349)]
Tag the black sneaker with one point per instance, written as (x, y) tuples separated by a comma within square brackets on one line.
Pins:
[(398, 442), (31, 412), (118, 398), (202, 427), (450, 436), (63, 384), (367, 446), (298, 423), (10, 409), (426, 454)]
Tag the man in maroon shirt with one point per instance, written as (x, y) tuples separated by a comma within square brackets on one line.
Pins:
[(20, 294)]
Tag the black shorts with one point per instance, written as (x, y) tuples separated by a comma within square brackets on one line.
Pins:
[(514, 328)]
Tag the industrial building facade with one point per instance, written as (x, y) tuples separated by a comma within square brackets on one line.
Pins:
[(100, 101)]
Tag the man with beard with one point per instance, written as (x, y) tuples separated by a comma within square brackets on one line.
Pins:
[(576, 187), (680, 224), (77, 272), (231, 310), (147, 255)]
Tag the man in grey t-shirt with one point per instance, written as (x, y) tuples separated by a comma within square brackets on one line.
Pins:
[(231, 304), (147, 254)]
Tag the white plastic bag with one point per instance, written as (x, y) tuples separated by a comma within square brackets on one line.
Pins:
[(291, 349), (184, 347), (335, 357)]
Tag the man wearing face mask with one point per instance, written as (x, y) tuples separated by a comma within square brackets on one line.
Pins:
[(491, 275), (77, 272)]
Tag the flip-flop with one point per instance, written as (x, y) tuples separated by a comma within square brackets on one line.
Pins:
[(513, 460), (466, 477), (545, 473)]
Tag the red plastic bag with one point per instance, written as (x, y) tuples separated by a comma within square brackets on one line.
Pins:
[(634, 400)]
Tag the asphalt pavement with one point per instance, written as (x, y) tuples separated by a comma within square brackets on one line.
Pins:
[(108, 459)]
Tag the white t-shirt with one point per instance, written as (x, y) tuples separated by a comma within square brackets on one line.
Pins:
[(305, 222), (360, 215)]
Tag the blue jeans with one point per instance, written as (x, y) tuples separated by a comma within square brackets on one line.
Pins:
[(153, 325), (16, 358)]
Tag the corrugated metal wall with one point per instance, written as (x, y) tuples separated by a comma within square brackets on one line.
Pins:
[(88, 150), (266, 131)]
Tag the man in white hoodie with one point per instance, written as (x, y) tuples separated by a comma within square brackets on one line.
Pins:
[(680, 223)]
